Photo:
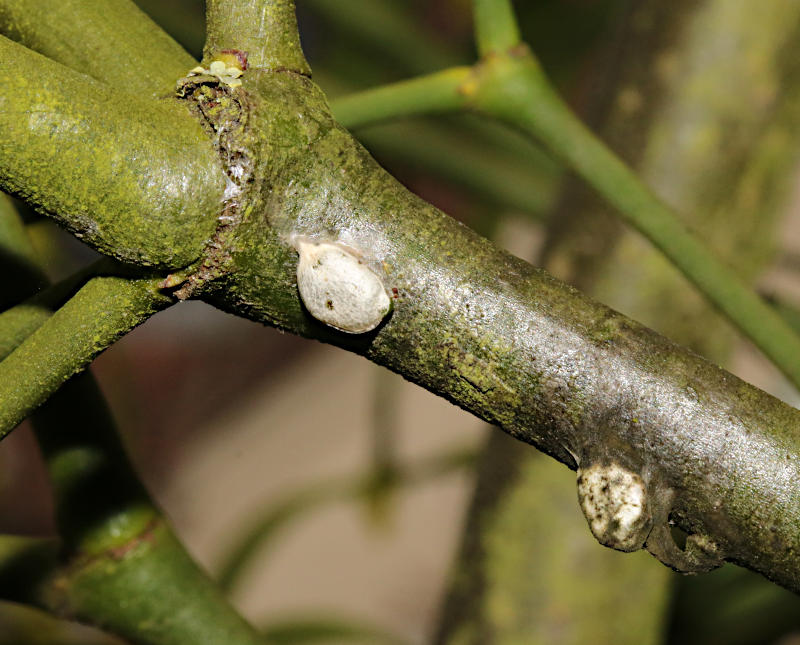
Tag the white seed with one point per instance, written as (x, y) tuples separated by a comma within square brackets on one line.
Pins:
[(338, 289), (614, 501)]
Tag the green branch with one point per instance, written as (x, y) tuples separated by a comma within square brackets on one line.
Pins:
[(64, 344), (440, 92), (506, 341), (496, 29), (114, 41), (135, 178), (266, 30)]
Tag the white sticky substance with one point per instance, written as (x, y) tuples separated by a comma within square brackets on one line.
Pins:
[(338, 289), (614, 501)]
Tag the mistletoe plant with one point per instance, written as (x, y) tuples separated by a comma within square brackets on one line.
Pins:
[(233, 181)]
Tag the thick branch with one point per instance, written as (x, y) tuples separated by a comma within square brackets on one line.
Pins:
[(112, 41), (514, 346), (266, 30), (513, 88), (136, 179)]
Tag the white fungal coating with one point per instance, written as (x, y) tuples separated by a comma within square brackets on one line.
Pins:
[(614, 501), (338, 289)]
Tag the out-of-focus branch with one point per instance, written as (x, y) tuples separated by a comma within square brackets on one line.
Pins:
[(359, 488), (117, 566)]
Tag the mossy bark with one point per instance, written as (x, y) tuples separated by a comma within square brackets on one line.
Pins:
[(113, 42), (134, 177)]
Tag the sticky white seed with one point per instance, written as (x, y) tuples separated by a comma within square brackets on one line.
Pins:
[(338, 289), (614, 501)]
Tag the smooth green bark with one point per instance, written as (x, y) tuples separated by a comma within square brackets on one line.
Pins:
[(496, 27), (135, 178), (112, 41), (439, 92), (266, 30)]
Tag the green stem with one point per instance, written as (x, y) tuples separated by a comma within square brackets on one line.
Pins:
[(434, 93), (496, 29), (266, 30), (135, 178), (63, 345), (114, 41)]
